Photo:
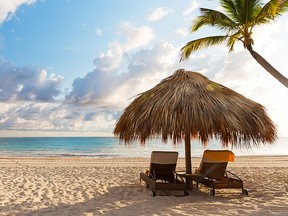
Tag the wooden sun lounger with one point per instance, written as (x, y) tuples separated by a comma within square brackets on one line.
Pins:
[(161, 174), (213, 173)]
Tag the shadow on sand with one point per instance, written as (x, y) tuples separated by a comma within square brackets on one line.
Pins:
[(138, 200)]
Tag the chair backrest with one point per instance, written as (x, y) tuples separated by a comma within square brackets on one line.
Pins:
[(163, 164), (214, 170), (214, 163)]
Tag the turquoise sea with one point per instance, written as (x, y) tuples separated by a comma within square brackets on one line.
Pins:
[(111, 147)]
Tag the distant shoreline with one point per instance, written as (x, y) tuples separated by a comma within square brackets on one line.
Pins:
[(240, 161), (123, 157)]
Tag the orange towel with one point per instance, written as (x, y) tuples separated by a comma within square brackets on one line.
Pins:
[(219, 155)]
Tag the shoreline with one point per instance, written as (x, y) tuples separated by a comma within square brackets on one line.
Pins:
[(124, 157), (240, 162)]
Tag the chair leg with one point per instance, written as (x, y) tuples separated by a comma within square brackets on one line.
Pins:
[(244, 191), (212, 192)]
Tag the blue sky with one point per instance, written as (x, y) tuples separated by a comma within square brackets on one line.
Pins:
[(69, 67)]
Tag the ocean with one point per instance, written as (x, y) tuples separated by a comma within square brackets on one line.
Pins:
[(111, 147)]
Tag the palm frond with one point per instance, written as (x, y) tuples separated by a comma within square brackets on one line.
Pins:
[(195, 45), (241, 10), (213, 18), (238, 22), (229, 6), (283, 6), (254, 8), (232, 40), (233, 9), (269, 11)]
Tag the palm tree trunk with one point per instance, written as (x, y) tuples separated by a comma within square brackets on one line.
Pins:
[(269, 68)]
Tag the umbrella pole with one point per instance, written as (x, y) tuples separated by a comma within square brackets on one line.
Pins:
[(188, 160), (188, 153)]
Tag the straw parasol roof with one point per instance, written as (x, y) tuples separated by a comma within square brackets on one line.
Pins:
[(188, 105)]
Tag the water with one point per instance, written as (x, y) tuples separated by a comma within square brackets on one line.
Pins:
[(111, 147)]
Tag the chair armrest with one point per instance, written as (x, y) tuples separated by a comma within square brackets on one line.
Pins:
[(149, 174), (233, 175), (178, 176)]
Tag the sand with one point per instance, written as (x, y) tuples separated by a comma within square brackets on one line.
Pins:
[(110, 186)]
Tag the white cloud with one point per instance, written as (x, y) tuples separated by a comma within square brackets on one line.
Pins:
[(158, 13), (110, 60), (136, 37), (99, 31), (270, 42), (193, 7), (32, 116), (27, 83), (183, 31), (113, 84), (248, 78), (97, 99), (9, 7), (109, 67)]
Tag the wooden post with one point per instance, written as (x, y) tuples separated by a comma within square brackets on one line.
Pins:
[(188, 153), (188, 160)]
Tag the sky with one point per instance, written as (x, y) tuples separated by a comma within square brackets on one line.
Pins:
[(70, 67)]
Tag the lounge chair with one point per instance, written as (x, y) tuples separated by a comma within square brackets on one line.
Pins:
[(212, 171), (161, 174)]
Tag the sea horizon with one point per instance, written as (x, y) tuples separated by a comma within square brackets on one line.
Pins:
[(112, 147)]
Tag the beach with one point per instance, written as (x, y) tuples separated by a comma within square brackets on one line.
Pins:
[(111, 186)]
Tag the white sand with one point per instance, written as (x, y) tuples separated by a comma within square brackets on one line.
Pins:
[(75, 186)]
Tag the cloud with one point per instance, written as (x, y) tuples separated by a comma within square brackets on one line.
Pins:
[(136, 37), (111, 69), (238, 66), (270, 44), (93, 87), (9, 7), (158, 14), (33, 116), (27, 83), (243, 74), (183, 32), (99, 31), (193, 7), (26, 116), (120, 74)]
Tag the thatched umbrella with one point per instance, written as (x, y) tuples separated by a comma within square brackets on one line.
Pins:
[(188, 105)]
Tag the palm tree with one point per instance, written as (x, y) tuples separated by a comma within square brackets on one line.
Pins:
[(237, 24)]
